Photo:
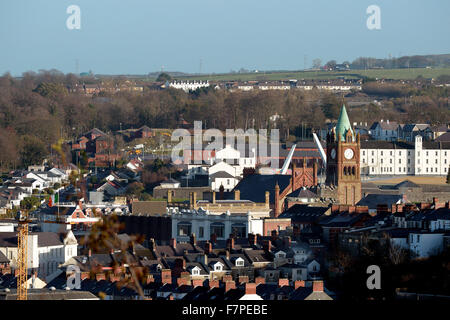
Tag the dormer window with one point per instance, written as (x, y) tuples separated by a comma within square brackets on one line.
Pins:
[(196, 271), (239, 262), (218, 267)]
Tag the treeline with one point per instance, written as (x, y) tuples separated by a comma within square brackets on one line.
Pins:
[(442, 60), (40, 108)]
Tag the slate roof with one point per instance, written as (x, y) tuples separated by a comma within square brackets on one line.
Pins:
[(304, 213), (254, 187), (3, 258), (406, 184), (372, 200), (303, 193), (378, 144), (45, 239)]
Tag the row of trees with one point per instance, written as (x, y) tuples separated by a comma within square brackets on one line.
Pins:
[(39, 109)]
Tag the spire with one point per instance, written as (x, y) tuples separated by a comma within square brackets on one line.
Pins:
[(343, 124)]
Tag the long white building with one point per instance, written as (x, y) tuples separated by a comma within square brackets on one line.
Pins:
[(405, 158)]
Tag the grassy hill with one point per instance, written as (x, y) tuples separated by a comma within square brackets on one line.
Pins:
[(396, 74)]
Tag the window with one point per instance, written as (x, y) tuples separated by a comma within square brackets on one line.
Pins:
[(228, 182), (217, 267), (239, 262), (218, 229), (195, 272), (201, 232), (184, 229), (239, 230)]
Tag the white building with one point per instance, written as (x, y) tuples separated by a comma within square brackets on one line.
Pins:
[(424, 244), (405, 158), (187, 86), (46, 250), (203, 224)]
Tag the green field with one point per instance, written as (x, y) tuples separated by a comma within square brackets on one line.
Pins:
[(396, 74)]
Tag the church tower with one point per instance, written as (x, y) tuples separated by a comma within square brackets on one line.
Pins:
[(343, 161)]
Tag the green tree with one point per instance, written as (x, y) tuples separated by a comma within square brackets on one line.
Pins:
[(164, 77), (30, 203)]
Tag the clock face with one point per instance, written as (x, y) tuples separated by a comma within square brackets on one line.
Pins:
[(333, 154), (348, 154)]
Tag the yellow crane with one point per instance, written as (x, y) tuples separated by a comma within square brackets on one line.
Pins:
[(22, 256)]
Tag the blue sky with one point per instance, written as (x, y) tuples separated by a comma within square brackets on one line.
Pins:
[(140, 36)]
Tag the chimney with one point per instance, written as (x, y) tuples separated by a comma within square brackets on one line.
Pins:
[(250, 288), (169, 196), (100, 276), (193, 240), (318, 286), (166, 276), (180, 264), (283, 282), (252, 239), (237, 195), (213, 284), (287, 242), (182, 281), (260, 280), (230, 244), (214, 197), (90, 252), (267, 245), (267, 199), (173, 243), (274, 236), (243, 279), (229, 285), (197, 283), (277, 200), (85, 275), (227, 277), (299, 284), (150, 279), (208, 247), (152, 244)]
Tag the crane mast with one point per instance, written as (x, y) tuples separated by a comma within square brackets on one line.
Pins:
[(22, 257)]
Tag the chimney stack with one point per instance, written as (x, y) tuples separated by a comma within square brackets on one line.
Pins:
[(229, 285), (267, 245), (277, 200), (166, 276), (299, 284), (230, 244), (287, 242), (318, 286), (213, 284), (208, 247), (169, 196), (267, 199), (250, 288), (152, 244), (274, 236), (193, 240), (237, 195), (283, 282), (214, 197), (173, 243), (260, 280), (252, 239)]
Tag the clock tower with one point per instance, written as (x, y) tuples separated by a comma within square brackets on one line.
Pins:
[(343, 163)]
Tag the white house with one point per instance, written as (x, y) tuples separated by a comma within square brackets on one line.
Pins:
[(385, 130), (425, 244), (405, 158), (46, 250)]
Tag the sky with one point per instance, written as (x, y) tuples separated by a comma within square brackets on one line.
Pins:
[(213, 36)]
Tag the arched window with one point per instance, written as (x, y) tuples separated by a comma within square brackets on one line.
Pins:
[(345, 171), (239, 229), (353, 171)]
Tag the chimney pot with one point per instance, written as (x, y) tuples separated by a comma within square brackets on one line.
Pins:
[(250, 288)]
